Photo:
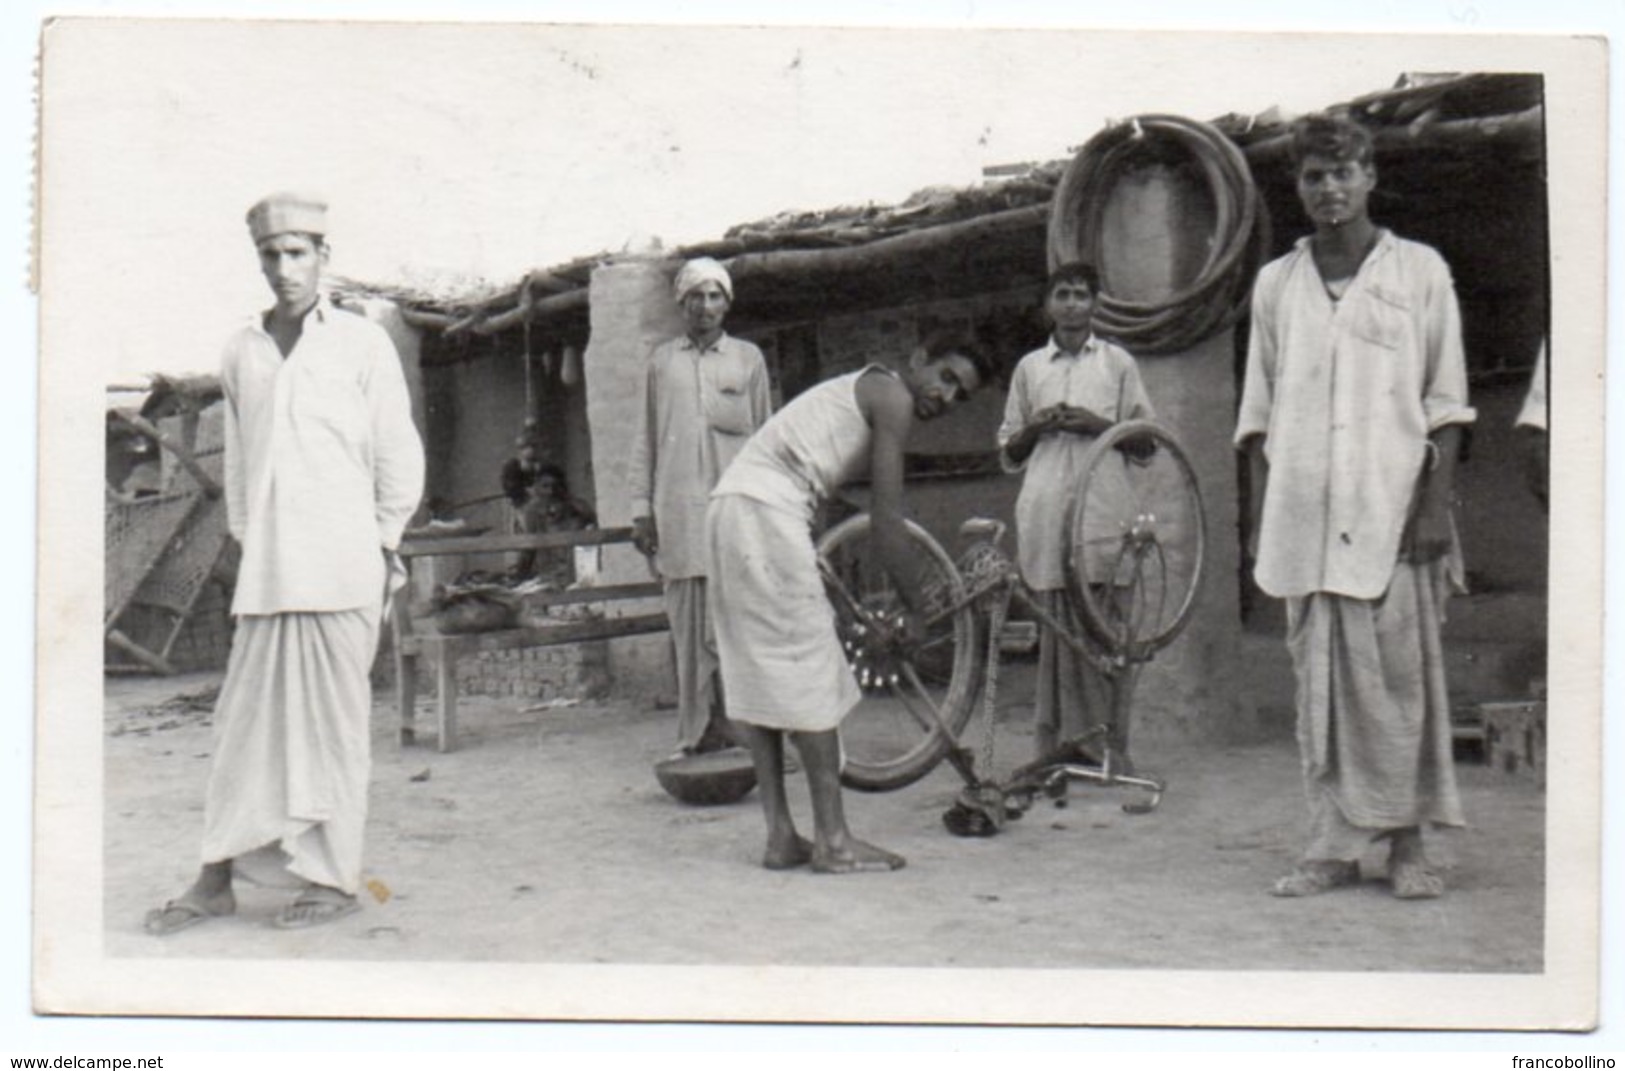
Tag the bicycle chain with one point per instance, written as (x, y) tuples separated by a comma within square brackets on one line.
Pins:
[(986, 573), (990, 687)]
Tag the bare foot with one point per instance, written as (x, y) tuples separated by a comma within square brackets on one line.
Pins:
[(788, 856), (854, 857)]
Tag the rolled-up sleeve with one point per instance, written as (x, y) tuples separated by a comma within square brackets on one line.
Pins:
[(640, 461), (236, 472), (1017, 412), (1444, 397), (1135, 403), (1258, 383), (761, 393), (397, 449)]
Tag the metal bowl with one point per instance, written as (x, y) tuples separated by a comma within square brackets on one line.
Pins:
[(711, 778)]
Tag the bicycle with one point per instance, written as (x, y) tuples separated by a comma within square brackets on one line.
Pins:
[(1137, 542)]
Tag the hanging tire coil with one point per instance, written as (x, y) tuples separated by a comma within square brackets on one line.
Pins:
[(1240, 244)]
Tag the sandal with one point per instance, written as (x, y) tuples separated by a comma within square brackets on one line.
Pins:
[(182, 914), (1315, 876), (1415, 881), (317, 905)]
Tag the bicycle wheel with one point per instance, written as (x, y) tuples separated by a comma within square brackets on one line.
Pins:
[(1138, 539), (892, 737)]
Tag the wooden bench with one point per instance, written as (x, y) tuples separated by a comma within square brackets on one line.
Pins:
[(416, 638)]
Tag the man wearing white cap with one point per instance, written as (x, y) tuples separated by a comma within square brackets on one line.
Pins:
[(704, 394), (323, 468)]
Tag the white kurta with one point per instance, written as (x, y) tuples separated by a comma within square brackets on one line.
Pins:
[(1104, 379), (698, 409), (1345, 394), (324, 466), (323, 469)]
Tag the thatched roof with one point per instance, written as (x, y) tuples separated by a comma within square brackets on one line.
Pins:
[(1469, 130)]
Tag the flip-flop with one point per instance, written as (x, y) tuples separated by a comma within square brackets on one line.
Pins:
[(177, 915), (859, 866), (314, 908), (1316, 876), (1414, 881)]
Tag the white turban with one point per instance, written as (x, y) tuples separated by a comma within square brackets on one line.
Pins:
[(702, 270)]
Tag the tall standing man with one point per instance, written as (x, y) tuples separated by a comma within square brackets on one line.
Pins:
[(323, 469), (1061, 397), (703, 396), (1351, 417)]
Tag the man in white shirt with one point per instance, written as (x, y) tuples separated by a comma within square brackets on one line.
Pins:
[(703, 396), (1351, 417), (1061, 397), (324, 467)]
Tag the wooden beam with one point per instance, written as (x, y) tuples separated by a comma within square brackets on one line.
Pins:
[(423, 320), (420, 547), (153, 662), (1521, 132), (540, 309), (603, 628), (183, 455), (870, 256), (651, 589)]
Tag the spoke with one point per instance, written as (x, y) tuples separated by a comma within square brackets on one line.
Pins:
[(923, 721), (934, 722), (1162, 589), (852, 606)]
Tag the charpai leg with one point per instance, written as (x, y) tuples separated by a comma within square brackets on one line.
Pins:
[(446, 678)]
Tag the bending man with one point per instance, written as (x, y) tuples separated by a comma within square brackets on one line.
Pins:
[(782, 663)]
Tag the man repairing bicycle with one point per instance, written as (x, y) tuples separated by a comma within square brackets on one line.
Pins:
[(1061, 397), (783, 666)]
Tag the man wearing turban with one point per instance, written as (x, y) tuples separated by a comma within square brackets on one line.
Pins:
[(323, 469), (704, 393)]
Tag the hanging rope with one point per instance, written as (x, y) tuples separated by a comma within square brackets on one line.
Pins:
[(530, 389), (530, 417), (1237, 249)]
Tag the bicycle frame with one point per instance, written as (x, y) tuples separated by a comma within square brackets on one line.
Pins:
[(994, 801)]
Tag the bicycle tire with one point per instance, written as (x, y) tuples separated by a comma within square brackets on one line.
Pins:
[(886, 744), (1138, 540)]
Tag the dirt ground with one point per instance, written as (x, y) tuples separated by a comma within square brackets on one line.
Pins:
[(546, 838)]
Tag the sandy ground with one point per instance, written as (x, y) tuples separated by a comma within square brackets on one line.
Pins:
[(547, 839)]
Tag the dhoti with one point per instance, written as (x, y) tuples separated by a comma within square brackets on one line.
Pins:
[(292, 748), (694, 642), (782, 663), (1373, 712), (1073, 697)]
